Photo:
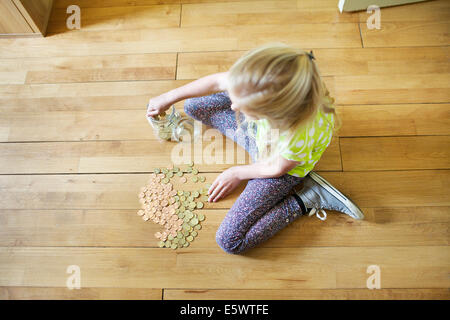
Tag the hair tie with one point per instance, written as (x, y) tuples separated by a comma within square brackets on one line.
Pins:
[(311, 56)]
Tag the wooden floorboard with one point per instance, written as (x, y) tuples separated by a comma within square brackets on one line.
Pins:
[(48, 293), (75, 148), (119, 191), (314, 268), (132, 156), (395, 153), (309, 294), (405, 226)]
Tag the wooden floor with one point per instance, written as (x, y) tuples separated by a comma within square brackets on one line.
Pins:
[(76, 148)]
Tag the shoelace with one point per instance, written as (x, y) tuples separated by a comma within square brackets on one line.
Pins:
[(317, 211)]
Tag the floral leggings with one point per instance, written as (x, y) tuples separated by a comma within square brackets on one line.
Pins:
[(266, 205)]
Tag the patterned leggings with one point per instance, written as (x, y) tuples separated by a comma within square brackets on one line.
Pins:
[(265, 206)]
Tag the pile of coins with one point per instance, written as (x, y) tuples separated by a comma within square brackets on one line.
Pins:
[(173, 209)]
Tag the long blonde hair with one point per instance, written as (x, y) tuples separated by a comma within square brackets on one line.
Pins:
[(281, 84)]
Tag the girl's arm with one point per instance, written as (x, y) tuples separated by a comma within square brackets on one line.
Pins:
[(230, 178), (265, 169), (201, 87), (204, 86)]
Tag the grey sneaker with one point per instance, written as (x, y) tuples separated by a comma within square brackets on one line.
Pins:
[(318, 194)]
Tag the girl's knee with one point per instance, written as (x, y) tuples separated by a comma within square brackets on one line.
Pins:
[(228, 243)]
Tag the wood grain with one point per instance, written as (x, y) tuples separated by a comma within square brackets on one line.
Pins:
[(266, 12), (119, 18), (119, 191), (413, 226), (332, 61), (394, 120), (131, 156), (407, 34), (343, 35), (75, 148), (48, 293), (308, 294), (312, 268), (395, 153), (11, 21)]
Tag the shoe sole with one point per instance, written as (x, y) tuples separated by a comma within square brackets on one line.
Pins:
[(359, 215)]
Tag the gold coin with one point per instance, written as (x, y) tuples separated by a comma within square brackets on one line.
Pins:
[(199, 204), (170, 174), (201, 217), (183, 180), (174, 246), (195, 194), (194, 233), (194, 179), (186, 244), (156, 170), (191, 164), (161, 244), (198, 227), (193, 222), (190, 238), (170, 237), (194, 171), (180, 173), (202, 179), (167, 244)]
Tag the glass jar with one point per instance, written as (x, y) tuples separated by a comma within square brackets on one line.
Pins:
[(170, 126)]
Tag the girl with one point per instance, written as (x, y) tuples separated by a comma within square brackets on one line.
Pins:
[(271, 89)]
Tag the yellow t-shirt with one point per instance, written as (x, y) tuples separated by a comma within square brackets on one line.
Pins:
[(307, 144)]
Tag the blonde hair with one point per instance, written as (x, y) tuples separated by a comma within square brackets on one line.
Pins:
[(281, 84)]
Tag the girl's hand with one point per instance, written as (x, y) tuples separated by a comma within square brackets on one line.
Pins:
[(224, 184), (157, 105)]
